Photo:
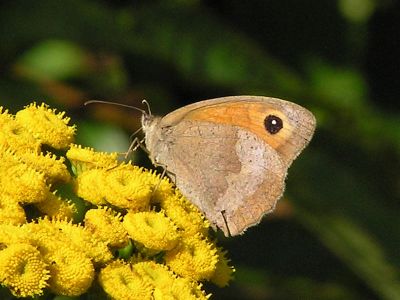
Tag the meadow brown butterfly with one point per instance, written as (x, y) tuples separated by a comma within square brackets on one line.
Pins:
[(229, 156)]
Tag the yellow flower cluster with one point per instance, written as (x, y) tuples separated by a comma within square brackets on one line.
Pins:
[(142, 238), (28, 174)]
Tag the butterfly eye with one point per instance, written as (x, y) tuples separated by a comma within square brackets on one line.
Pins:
[(273, 124)]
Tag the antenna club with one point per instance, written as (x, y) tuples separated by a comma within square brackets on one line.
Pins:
[(144, 101)]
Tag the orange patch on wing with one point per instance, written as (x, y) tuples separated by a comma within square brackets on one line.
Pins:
[(249, 116)]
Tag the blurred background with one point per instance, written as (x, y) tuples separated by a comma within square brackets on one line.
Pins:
[(336, 233)]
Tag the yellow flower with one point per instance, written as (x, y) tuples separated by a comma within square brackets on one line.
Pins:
[(152, 229), (56, 207), (10, 211), (89, 186), (55, 170), (23, 270), (12, 234), (107, 226), (71, 272), (180, 288), (157, 274), (162, 187), (125, 186), (194, 258), (166, 284), (121, 283), (50, 235), (83, 159), (82, 239), (5, 116), (24, 184), (185, 215), (8, 158), (44, 236), (223, 272), (52, 129), (17, 137)]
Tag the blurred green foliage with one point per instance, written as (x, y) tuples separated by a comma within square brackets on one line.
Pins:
[(336, 235)]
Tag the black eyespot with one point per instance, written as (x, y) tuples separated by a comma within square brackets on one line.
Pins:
[(273, 124)]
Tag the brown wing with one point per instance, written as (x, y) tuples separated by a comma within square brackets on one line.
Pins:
[(225, 171), (225, 160), (249, 113)]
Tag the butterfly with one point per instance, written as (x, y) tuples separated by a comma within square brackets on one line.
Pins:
[(229, 156)]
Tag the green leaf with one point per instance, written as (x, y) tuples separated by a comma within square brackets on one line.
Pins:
[(52, 60)]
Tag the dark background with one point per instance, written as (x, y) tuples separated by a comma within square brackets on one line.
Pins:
[(336, 233)]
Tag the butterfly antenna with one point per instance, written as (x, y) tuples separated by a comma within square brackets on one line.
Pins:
[(144, 101), (119, 104)]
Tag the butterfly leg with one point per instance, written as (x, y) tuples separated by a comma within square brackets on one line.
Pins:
[(165, 171), (136, 143)]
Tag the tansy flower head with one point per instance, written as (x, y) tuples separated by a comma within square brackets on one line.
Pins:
[(157, 274), (89, 186), (84, 240), (152, 229), (122, 283), (5, 117), (8, 158), (24, 184), (180, 288), (185, 215), (162, 187), (12, 234), (44, 236), (107, 226), (56, 207), (124, 186), (166, 284), (71, 272), (83, 159), (53, 168), (50, 127), (194, 257), (23, 270), (127, 187), (17, 137), (223, 272), (20, 181), (11, 212)]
